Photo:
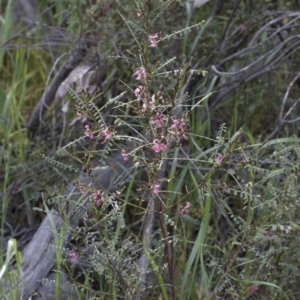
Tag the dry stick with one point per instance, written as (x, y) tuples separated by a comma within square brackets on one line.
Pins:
[(282, 119), (168, 249), (49, 94), (147, 237), (225, 92), (216, 9), (218, 4), (38, 256), (254, 44)]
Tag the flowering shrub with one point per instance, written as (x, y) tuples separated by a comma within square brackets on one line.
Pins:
[(148, 131)]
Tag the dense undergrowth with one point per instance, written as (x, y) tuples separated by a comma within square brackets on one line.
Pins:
[(200, 145)]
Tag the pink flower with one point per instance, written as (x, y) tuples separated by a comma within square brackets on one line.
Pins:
[(253, 288), (219, 158), (139, 91), (144, 107), (74, 256), (244, 29), (177, 129), (150, 104), (87, 132), (156, 188), (138, 13), (270, 234), (125, 155), (106, 133), (185, 209), (178, 125), (287, 229), (158, 146), (80, 116), (153, 40), (157, 119), (98, 197), (98, 202), (140, 74)]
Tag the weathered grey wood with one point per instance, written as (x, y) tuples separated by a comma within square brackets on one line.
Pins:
[(49, 95), (38, 260)]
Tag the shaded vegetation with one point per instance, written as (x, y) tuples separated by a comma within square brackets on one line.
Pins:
[(199, 196)]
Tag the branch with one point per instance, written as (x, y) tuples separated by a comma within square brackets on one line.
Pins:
[(48, 97)]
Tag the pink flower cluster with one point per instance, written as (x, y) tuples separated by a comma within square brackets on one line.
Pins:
[(88, 132), (98, 198), (139, 91), (185, 209), (159, 146), (106, 133), (157, 119), (125, 155), (74, 256), (254, 288), (153, 40), (156, 188), (178, 127), (150, 104), (219, 158), (140, 74)]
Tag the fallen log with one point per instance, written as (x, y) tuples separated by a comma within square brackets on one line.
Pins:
[(38, 256), (48, 96)]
